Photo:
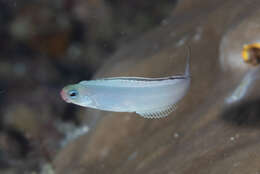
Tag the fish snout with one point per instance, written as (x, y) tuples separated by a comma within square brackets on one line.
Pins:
[(63, 95)]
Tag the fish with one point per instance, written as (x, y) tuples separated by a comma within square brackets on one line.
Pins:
[(147, 97)]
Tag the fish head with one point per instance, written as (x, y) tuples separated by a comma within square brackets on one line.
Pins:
[(76, 94)]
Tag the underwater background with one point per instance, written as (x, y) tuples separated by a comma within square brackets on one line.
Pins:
[(48, 44)]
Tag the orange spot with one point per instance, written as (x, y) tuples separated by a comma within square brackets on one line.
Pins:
[(251, 53)]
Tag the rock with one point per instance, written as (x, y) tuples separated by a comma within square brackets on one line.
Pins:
[(206, 142)]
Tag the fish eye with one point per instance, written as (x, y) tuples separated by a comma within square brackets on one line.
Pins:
[(73, 93)]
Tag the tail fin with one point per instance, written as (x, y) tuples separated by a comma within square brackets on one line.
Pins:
[(187, 69)]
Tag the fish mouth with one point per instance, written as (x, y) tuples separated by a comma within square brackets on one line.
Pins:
[(64, 96)]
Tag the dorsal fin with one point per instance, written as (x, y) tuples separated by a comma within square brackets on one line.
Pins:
[(133, 81), (144, 78)]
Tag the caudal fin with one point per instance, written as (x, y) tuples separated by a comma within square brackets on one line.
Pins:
[(187, 69)]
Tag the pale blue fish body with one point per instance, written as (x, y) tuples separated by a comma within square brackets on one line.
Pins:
[(148, 97)]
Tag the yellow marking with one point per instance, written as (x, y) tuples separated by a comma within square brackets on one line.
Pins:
[(251, 53)]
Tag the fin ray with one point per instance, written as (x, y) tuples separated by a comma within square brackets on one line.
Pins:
[(158, 113)]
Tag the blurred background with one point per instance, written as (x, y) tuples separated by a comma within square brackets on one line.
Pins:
[(45, 45)]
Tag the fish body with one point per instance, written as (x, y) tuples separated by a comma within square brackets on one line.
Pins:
[(148, 97)]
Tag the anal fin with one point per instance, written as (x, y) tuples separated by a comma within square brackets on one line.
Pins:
[(157, 113)]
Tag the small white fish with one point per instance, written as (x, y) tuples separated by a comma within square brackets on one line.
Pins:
[(148, 97)]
